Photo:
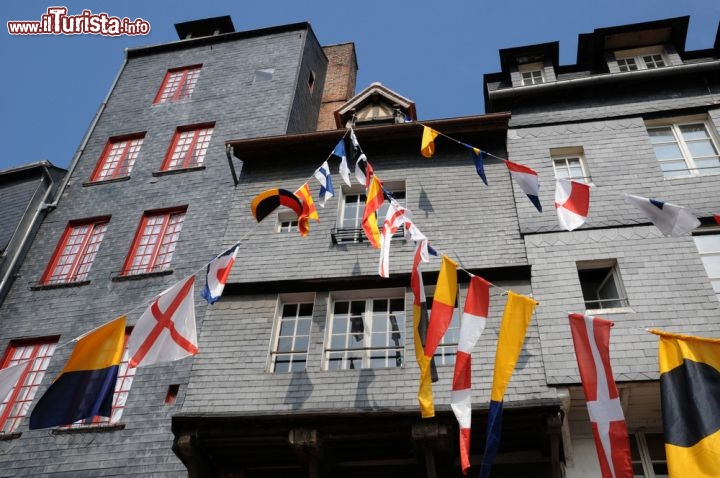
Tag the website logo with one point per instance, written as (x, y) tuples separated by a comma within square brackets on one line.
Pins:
[(57, 22)]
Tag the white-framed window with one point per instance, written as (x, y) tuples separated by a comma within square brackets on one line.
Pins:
[(708, 246), (447, 348), (602, 286), (684, 146), (291, 333), (569, 163), (286, 222), (647, 453), (636, 59), (365, 330), (352, 209), (531, 73)]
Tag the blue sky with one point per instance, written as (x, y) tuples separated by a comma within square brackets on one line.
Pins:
[(434, 53)]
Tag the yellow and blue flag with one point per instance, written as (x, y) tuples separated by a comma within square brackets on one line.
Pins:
[(513, 327), (86, 384), (690, 399)]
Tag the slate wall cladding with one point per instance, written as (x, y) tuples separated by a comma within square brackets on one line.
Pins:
[(624, 164), (224, 94), (665, 282), (306, 107), (232, 377), (14, 198), (450, 203)]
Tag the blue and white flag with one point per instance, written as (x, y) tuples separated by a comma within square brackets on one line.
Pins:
[(670, 219), (344, 171), (322, 174), (218, 272)]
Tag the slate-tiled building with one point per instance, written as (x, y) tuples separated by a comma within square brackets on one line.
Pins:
[(636, 114), (306, 366)]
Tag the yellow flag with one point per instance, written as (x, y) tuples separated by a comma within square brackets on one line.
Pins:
[(515, 321), (427, 148), (690, 398)]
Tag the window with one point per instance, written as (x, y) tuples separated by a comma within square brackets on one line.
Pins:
[(155, 242), (647, 453), (122, 390), (353, 209), (640, 59), (601, 286), (178, 84), (75, 253), (568, 163), (263, 74), (118, 158), (311, 82), (286, 222), (188, 148), (684, 148), (37, 357), (292, 334), (447, 348), (366, 332), (531, 73), (708, 246)]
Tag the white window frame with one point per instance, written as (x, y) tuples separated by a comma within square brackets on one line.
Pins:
[(645, 460), (296, 299), (365, 350), (532, 73), (639, 57), (396, 187), (675, 125), (614, 272), (286, 222), (563, 156), (714, 253)]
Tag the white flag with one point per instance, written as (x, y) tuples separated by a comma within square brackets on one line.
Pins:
[(670, 219), (166, 331)]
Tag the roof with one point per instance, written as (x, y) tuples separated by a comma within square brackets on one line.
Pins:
[(375, 93)]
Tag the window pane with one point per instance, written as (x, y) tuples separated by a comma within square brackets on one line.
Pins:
[(701, 148), (712, 265), (667, 151), (693, 131), (661, 135)]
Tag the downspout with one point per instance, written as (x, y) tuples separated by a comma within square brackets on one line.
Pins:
[(83, 144), (563, 394), (26, 234)]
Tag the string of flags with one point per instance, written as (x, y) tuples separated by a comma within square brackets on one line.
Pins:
[(166, 331)]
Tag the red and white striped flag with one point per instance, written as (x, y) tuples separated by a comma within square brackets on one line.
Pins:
[(591, 339), (471, 328)]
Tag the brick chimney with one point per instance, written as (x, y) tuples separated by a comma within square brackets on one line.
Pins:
[(339, 82)]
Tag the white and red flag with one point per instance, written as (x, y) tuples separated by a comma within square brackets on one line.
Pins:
[(471, 328), (572, 202), (591, 339), (166, 331), (218, 271), (528, 181)]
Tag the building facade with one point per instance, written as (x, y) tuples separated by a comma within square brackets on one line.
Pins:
[(636, 114), (306, 366)]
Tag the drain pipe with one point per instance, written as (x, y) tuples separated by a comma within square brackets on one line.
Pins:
[(563, 394), (26, 234), (83, 144)]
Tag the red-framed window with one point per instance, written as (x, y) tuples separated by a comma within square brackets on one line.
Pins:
[(188, 147), (75, 253), (155, 241), (36, 355), (122, 390), (178, 84), (118, 157)]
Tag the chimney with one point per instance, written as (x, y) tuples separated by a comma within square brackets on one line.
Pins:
[(339, 82)]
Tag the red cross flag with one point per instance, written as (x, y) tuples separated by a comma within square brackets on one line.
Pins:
[(166, 331)]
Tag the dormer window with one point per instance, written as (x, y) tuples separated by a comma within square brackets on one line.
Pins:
[(640, 59), (531, 73)]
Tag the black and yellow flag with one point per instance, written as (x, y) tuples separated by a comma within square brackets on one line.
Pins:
[(690, 396)]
